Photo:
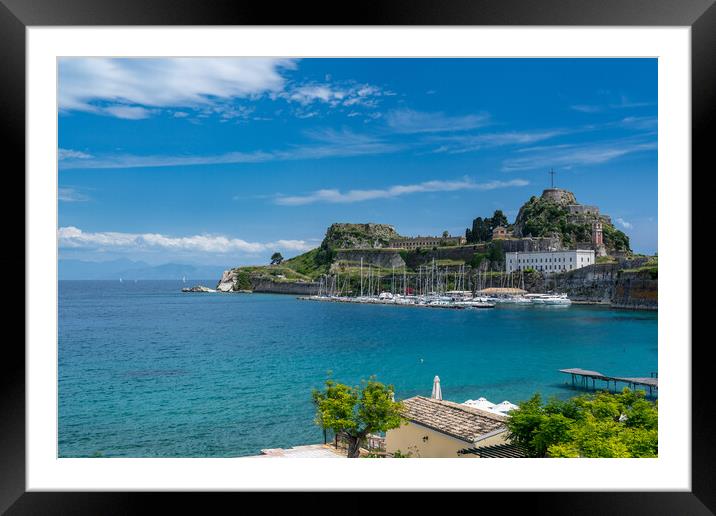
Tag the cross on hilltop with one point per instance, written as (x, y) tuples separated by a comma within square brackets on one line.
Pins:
[(551, 173)]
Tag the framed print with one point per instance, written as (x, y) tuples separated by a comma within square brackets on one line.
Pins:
[(430, 234)]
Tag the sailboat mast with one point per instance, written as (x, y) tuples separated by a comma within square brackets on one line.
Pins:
[(361, 277)]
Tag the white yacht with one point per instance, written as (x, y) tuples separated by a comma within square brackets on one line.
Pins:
[(549, 299)]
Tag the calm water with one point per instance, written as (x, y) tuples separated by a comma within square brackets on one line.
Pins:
[(148, 371)]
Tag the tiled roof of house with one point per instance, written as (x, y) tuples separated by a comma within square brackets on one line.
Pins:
[(497, 451), (460, 421)]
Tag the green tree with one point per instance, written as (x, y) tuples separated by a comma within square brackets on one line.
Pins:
[(498, 219), (446, 234), (593, 425), (357, 412), (276, 258), (496, 254), (479, 232)]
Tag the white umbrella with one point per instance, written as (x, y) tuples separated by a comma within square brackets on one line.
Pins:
[(480, 403), (505, 407), (437, 393)]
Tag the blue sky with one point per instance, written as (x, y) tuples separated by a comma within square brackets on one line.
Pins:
[(224, 161)]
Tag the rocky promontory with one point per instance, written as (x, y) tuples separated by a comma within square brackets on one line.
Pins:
[(198, 288)]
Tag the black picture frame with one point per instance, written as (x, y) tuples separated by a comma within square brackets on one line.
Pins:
[(17, 15)]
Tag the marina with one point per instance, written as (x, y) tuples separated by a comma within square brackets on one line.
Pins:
[(432, 287)]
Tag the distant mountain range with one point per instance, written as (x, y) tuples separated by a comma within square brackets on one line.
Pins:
[(128, 269)]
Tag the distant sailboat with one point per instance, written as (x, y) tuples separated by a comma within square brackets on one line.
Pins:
[(120, 280), (183, 279)]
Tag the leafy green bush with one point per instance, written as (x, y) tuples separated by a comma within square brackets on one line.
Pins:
[(243, 280), (593, 425), (477, 259), (613, 238)]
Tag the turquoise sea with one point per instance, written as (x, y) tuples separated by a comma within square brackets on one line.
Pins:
[(148, 371)]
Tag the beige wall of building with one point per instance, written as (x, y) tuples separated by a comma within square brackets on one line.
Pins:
[(410, 439)]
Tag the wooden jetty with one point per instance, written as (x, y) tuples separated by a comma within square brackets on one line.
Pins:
[(583, 376)]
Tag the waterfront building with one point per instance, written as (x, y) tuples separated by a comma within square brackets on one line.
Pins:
[(425, 242), (549, 262), (440, 428)]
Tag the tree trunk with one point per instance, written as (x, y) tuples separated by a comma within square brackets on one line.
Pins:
[(353, 447)]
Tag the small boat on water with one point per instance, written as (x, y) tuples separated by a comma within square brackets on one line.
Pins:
[(549, 299)]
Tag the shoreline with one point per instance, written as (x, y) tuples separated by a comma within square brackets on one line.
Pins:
[(574, 302)]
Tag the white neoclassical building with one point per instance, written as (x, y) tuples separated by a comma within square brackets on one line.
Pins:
[(549, 262)]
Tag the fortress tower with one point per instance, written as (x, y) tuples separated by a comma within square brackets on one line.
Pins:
[(558, 195), (597, 233), (598, 238)]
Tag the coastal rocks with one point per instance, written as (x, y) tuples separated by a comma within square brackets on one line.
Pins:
[(227, 281), (234, 280), (636, 290), (198, 288), (619, 285)]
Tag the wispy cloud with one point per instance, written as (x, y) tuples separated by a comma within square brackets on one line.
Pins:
[(336, 196), (587, 108), (129, 112), (458, 144), (323, 144), (622, 103), (639, 122), (409, 121), (130, 87), (623, 223), (333, 94), (72, 237), (573, 155), (71, 154), (67, 194)]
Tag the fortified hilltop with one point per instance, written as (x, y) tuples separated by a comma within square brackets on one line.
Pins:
[(556, 213), (559, 196)]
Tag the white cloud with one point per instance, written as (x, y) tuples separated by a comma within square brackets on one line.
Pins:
[(72, 237), (623, 223), (66, 194), (307, 94), (336, 196), (409, 121), (338, 94), (457, 144), (123, 86), (129, 112), (573, 155), (71, 154)]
